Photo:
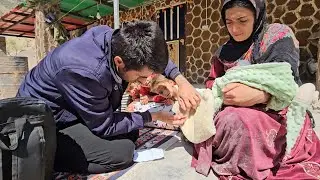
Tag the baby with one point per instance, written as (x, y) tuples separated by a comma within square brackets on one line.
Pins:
[(157, 89), (157, 94), (164, 87)]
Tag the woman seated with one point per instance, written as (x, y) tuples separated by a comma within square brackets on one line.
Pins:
[(250, 141)]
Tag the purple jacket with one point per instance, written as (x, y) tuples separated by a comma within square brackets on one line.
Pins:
[(78, 82)]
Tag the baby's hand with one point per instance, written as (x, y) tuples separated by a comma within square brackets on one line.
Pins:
[(130, 107), (144, 100)]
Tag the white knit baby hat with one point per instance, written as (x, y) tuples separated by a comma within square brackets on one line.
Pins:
[(199, 126)]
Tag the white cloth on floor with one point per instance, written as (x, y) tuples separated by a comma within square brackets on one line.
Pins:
[(148, 155), (138, 107)]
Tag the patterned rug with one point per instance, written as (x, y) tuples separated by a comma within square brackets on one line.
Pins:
[(149, 138)]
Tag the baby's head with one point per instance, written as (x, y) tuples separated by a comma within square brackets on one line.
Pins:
[(151, 80), (163, 91), (163, 86), (133, 89)]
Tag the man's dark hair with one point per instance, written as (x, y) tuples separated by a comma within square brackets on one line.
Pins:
[(141, 43)]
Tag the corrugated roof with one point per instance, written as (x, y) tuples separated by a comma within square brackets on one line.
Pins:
[(88, 8), (20, 22), (19, 19)]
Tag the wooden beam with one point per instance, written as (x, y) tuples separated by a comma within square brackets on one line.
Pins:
[(77, 15), (21, 31), (32, 24), (21, 20), (9, 13), (73, 14), (22, 23), (24, 14), (27, 32), (5, 34)]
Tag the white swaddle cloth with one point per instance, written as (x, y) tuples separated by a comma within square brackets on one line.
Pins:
[(199, 126)]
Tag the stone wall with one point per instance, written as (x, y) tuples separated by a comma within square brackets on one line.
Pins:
[(201, 42), (12, 72), (303, 16), (148, 12)]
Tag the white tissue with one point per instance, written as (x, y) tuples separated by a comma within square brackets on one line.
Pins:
[(148, 155)]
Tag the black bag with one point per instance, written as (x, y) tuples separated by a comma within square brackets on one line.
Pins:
[(27, 139)]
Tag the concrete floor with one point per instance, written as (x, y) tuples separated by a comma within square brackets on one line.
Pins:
[(176, 164)]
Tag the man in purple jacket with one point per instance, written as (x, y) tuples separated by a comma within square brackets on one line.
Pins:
[(83, 81)]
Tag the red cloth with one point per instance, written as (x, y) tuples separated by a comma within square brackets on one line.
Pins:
[(137, 90), (144, 90), (158, 99), (253, 147), (217, 70), (250, 143)]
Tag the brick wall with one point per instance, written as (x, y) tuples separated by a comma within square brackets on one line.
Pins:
[(303, 16)]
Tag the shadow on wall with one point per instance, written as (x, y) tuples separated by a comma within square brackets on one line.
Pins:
[(308, 70)]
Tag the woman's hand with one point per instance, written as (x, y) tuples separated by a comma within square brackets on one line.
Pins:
[(169, 118), (237, 94)]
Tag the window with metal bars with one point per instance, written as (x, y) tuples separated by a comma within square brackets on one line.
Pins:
[(172, 22)]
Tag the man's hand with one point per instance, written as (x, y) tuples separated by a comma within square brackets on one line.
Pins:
[(188, 97), (168, 118), (237, 94)]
